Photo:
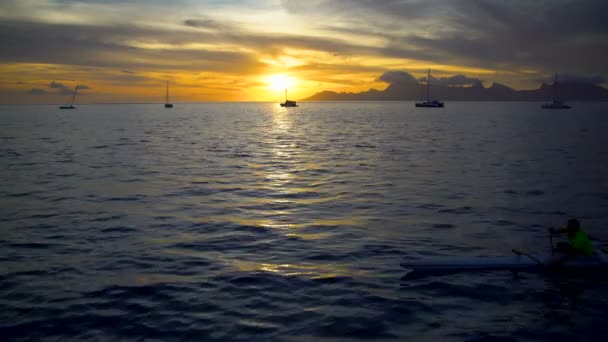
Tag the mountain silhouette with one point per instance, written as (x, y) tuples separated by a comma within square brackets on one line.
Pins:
[(410, 91)]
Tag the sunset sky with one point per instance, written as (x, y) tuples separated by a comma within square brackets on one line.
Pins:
[(247, 50)]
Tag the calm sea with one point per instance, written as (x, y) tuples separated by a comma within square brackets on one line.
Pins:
[(247, 221)]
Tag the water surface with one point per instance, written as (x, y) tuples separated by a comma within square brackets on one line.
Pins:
[(249, 221)]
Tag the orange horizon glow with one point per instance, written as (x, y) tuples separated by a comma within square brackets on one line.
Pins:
[(148, 86)]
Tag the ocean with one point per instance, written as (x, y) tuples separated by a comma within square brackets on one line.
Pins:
[(248, 221)]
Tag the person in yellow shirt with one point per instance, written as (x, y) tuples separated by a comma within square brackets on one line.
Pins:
[(578, 243)]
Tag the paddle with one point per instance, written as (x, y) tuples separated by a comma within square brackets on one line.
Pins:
[(551, 240), (528, 255)]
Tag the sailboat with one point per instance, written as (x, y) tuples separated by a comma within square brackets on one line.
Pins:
[(167, 104), (71, 105), (429, 103), (556, 104), (288, 103)]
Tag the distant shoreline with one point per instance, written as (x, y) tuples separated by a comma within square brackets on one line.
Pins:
[(272, 102)]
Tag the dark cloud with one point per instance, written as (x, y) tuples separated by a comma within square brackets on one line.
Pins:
[(65, 90), (547, 35), (209, 24), (397, 76), (541, 34), (454, 81), (56, 85), (96, 46), (566, 36), (580, 79), (369, 8), (36, 91)]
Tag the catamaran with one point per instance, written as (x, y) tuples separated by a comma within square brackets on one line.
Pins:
[(429, 103), (71, 105), (288, 103), (167, 103), (555, 104)]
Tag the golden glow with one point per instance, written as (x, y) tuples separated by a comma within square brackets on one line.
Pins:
[(280, 82), (215, 51), (315, 72)]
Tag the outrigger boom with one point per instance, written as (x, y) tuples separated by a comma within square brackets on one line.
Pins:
[(520, 261)]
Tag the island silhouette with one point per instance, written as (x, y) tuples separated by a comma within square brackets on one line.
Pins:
[(407, 88)]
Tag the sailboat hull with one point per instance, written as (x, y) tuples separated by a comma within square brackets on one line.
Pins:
[(289, 103), (168, 105), (430, 104), (67, 107), (555, 106)]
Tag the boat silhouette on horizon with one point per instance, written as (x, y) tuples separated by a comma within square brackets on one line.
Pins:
[(71, 105), (429, 103), (288, 103), (556, 104), (167, 103)]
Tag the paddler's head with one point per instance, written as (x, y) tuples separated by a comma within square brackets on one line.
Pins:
[(573, 226)]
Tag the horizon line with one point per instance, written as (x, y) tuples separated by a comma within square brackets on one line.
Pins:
[(272, 102)]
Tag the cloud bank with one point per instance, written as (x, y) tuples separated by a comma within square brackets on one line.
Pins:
[(454, 81), (328, 42), (396, 76)]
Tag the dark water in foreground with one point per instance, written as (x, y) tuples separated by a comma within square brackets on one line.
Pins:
[(255, 222)]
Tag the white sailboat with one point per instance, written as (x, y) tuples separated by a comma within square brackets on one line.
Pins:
[(556, 104), (167, 103), (429, 103)]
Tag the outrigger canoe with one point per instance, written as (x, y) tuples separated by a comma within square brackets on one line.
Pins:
[(519, 261)]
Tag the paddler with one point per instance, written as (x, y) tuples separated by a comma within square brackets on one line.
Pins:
[(578, 243)]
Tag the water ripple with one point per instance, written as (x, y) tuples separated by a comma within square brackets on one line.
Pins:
[(254, 222)]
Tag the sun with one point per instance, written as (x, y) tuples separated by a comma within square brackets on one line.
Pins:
[(279, 82)]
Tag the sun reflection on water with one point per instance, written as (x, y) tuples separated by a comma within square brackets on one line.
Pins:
[(308, 271)]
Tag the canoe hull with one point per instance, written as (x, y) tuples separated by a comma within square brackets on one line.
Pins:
[(521, 262)]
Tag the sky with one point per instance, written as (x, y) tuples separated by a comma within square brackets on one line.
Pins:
[(246, 50)]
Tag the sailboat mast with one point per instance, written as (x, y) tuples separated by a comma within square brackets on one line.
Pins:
[(285, 94), (74, 95), (555, 88), (428, 85), (167, 94)]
